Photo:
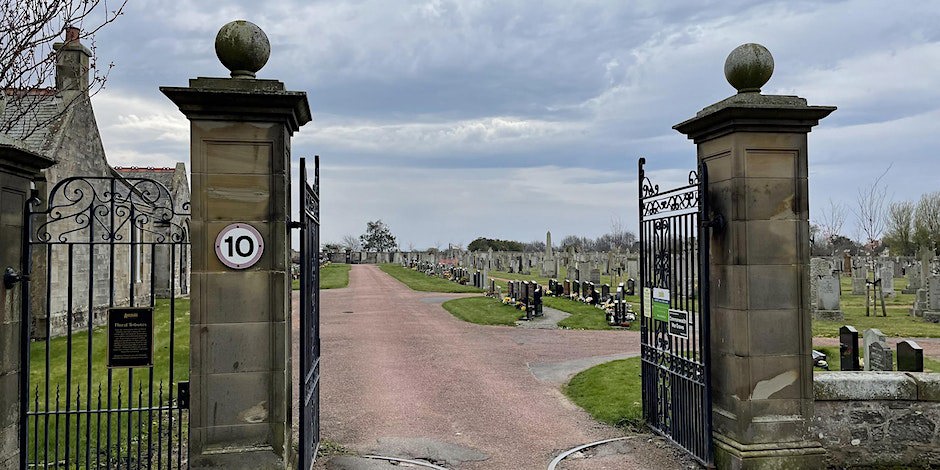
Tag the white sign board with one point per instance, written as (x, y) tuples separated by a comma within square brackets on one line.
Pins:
[(239, 246)]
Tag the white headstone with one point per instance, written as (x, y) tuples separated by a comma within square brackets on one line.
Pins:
[(828, 292)]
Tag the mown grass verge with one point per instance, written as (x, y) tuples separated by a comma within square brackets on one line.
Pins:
[(610, 392), (332, 276), (422, 282), (583, 316), (898, 323), (483, 311)]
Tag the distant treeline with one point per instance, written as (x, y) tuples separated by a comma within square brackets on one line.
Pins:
[(484, 244), (618, 239)]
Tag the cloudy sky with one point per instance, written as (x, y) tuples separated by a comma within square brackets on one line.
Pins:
[(451, 120)]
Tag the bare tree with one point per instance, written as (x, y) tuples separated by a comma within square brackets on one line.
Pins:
[(351, 243), (870, 210), (830, 222), (29, 30)]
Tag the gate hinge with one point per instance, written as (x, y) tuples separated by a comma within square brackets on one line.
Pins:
[(182, 395), (11, 277), (293, 224), (717, 222)]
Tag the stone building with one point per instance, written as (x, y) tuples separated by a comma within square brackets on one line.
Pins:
[(72, 277), (165, 259)]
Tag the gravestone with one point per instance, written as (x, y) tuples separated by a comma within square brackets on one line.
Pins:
[(847, 263), (910, 357), (576, 288), (887, 278), (881, 357), (590, 293), (878, 356), (848, 348), (595, 276), (567, 287), (605, 292), (859, 275), (631, 286), (827, 298), (932, 314), (818, 267), (920, 303), (913, 279)]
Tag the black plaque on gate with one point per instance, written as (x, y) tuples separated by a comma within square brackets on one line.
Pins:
[(130, 337), (679, 323)]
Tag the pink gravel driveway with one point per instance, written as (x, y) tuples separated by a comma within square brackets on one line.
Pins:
[(397, 366)]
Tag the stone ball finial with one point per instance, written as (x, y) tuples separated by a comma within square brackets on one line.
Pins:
[(243, 48), (748, 67)]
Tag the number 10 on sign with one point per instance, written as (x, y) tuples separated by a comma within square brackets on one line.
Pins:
[(239, 246)]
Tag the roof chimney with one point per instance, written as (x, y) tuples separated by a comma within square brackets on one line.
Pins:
[(72, 62)]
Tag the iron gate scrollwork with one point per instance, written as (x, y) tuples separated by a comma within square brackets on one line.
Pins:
[(674, 325), (96, 244), (309, 315)]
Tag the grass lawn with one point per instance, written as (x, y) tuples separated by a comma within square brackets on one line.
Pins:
[(834, 360), (483, 311), (898, 323), (610, 392), (123, 381), (332, 276), (422, 282), (583, 316)]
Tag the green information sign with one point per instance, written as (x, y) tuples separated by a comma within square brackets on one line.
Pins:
[(661, 304)]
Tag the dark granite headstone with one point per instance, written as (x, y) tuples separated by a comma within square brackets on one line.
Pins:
[(910, 357), (848, 348), (567, 287), (631, 287)]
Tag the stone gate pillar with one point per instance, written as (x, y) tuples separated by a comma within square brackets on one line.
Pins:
[(241, 127), (18, 168), (754, 146)]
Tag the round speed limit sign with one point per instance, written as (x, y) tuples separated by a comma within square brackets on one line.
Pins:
[(239, 246)]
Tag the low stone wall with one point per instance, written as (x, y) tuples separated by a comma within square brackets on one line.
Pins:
[(871, 419)]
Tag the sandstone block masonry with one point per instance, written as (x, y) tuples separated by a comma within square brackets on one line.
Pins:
[(880, 419)]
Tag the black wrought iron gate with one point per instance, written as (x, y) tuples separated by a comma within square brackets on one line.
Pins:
[(674, 327), (309, 315), (106, 330)]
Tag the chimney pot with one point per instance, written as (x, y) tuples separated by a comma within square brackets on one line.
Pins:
[(72, 33)]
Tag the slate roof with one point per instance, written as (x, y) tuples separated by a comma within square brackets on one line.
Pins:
[(37, 117), (160, 175)]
